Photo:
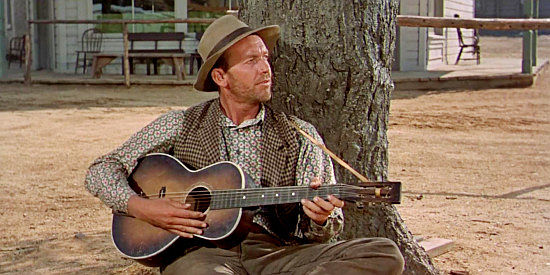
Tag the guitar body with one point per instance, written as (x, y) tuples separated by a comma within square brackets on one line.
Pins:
[(160, 175)]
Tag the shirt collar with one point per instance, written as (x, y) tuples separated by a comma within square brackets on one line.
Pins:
[(226, 122)]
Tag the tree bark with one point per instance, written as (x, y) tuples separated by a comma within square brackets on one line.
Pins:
[(332, 68)]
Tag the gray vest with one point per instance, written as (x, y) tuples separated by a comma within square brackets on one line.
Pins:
[(199, 146)]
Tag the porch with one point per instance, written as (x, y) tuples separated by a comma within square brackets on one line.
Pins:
[(491, 73)]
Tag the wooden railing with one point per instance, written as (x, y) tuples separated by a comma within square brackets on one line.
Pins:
[(477, 23)]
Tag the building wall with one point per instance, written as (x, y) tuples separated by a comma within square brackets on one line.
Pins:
[(18, 25), (19, 18), (67, 36), (412, 41), (421, 48), (465, 9), (44, 35)]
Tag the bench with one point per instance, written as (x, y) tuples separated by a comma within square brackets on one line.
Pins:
[(175, 60), (140, 54)]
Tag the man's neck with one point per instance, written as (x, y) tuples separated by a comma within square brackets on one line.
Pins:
[(239, 112)]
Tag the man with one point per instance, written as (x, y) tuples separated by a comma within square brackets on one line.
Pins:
[(238, 127)]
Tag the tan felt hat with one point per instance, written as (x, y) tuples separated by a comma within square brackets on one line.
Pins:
[(218, 37)]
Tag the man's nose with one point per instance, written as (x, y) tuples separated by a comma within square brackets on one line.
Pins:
[(264, 66)]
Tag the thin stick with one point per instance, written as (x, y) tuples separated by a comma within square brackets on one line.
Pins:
[(331, 154)]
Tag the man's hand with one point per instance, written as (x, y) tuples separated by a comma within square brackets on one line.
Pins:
[(319, 209), (168, 214)]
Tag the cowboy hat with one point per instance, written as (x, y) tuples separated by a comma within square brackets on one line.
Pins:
[(218, 37)]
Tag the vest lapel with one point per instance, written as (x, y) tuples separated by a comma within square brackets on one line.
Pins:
[(279, 151), (209, 133), (201, 135)]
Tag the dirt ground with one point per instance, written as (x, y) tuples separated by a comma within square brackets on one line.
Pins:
[(475, 167)]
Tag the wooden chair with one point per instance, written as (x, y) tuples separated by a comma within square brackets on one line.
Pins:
[(16, 51), (474, 46), (91, 43), (475, 50)]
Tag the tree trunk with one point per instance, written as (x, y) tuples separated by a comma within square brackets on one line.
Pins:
[(332, 68)]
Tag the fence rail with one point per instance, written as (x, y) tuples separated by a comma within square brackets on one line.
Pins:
[(124, 21), (477, 23)]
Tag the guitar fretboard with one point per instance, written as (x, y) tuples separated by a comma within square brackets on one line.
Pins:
[(222, 199)]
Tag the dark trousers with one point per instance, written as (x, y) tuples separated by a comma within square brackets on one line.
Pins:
[(263, 254)]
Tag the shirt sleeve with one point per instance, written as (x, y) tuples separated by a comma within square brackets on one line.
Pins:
[(314, 162), (107, 175)]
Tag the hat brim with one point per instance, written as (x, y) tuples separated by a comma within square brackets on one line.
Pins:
[(269, 34)]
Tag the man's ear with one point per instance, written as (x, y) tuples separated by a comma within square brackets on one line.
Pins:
[(218, 76)]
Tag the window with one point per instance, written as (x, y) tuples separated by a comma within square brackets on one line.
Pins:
[(207, 9), (134, 10)]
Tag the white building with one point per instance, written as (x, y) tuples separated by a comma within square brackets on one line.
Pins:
[(55, 45), (419, 48)]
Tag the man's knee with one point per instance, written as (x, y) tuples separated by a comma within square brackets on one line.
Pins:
[(392, 258), (385, 251)]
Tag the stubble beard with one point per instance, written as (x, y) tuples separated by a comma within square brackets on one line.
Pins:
[(265, 96)]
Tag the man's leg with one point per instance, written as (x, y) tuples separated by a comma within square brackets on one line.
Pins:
[(262, 255), (207, 261)]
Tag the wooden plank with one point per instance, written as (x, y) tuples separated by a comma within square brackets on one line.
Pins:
[(436, 246), (477, 23), (124, 21), (402, 20), (158, 55)]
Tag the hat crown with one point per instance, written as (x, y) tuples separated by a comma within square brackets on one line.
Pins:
[(216, 32)]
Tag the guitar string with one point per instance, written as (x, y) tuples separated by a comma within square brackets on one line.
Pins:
[(240, 203), (251, 197), (278, 189), (240, 192), (227, 203), (257, 193)]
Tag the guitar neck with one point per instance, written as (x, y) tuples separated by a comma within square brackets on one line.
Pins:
[(223, 199)]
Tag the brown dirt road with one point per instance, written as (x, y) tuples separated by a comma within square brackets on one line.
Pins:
[(475, 167)]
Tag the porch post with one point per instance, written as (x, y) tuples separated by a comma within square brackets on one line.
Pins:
[(527, 63), (535, 32), (3, 62), (28, 54), (125, 59)]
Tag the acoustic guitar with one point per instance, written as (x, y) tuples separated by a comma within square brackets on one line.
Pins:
[(220, 190)]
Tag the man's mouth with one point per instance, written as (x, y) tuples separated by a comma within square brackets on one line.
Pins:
[(265, 82)]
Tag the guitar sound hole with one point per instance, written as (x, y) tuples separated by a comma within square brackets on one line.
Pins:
[(199, 198)]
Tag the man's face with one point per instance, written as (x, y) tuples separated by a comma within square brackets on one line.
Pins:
[(248, 74)]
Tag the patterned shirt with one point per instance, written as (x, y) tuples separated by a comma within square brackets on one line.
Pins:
[(107, 176)]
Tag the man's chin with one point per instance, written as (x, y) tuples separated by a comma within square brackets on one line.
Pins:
[(265, 97)]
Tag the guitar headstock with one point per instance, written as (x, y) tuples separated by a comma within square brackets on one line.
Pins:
[(385, 192)]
